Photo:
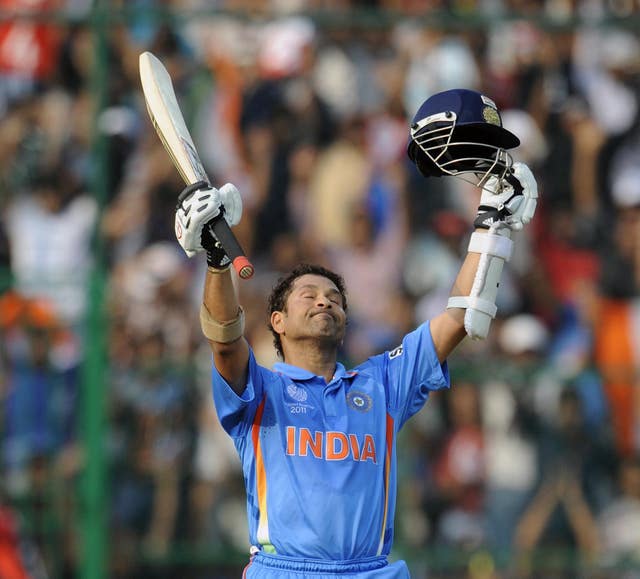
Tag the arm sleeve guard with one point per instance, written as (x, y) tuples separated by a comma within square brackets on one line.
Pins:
[(494, 249)]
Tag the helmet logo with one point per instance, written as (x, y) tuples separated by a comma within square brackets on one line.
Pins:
[(491, 116)]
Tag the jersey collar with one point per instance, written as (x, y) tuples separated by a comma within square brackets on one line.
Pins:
[(296, 373)]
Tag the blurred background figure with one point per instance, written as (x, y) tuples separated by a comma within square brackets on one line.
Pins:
[(459, 473), (39, 424), (50, 225), (562, 512), (618, 522)]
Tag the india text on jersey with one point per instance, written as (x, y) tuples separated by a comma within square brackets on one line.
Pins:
[(332, 445)]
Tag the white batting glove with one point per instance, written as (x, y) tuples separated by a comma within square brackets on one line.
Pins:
[(197, 205), (508, 203)]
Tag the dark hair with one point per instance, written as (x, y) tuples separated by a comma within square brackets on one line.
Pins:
[(282, 289)]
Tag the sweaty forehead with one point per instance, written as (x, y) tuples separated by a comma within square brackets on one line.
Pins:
[(313, 280)]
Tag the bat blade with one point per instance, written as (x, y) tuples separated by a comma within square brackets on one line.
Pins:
[(168, 120), (169, 123)]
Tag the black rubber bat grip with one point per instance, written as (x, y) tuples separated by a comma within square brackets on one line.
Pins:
[(231, 247)]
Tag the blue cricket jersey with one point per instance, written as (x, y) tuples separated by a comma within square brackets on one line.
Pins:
[(319, 459)]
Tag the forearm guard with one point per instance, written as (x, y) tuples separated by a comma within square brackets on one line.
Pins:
[(494, 249)]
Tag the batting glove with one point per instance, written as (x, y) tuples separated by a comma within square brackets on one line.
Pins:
[(509, 202), (198, 204)]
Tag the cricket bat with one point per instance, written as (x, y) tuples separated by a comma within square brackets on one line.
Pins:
[(169, 123)]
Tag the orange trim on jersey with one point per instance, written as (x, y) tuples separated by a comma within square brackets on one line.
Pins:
[(261, 475), (387, 474)]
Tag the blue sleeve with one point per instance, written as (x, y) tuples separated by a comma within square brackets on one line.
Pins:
[(410, 372), (236, 412)]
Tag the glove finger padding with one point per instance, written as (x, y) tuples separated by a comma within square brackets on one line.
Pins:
[(232, 202), (529, 191), (198, 204), (508, 202)]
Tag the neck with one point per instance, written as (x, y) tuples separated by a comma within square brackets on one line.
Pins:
[(319, 361)]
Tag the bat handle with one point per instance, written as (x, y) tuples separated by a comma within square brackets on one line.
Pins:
[(232, 248)]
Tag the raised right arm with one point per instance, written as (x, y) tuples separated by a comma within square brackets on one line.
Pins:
[(221, 317), (223, 320)]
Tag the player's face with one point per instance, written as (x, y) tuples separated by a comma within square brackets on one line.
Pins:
[(314, 309)]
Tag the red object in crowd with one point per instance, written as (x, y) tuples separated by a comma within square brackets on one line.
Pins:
[(28, 47), (11, 566)]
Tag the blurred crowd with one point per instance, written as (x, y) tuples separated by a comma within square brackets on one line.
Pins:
[(529, 466)]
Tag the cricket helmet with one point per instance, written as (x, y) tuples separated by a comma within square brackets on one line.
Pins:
[(459, 132)]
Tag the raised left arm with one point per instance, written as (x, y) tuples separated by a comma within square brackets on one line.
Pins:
[(447, 328), (505, 206)]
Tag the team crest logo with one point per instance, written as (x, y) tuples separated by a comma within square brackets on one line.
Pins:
[(359, 401), (491, 116), (297, 393)]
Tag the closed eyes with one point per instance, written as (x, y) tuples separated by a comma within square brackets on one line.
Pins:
[(311, 292), (333, 299)]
